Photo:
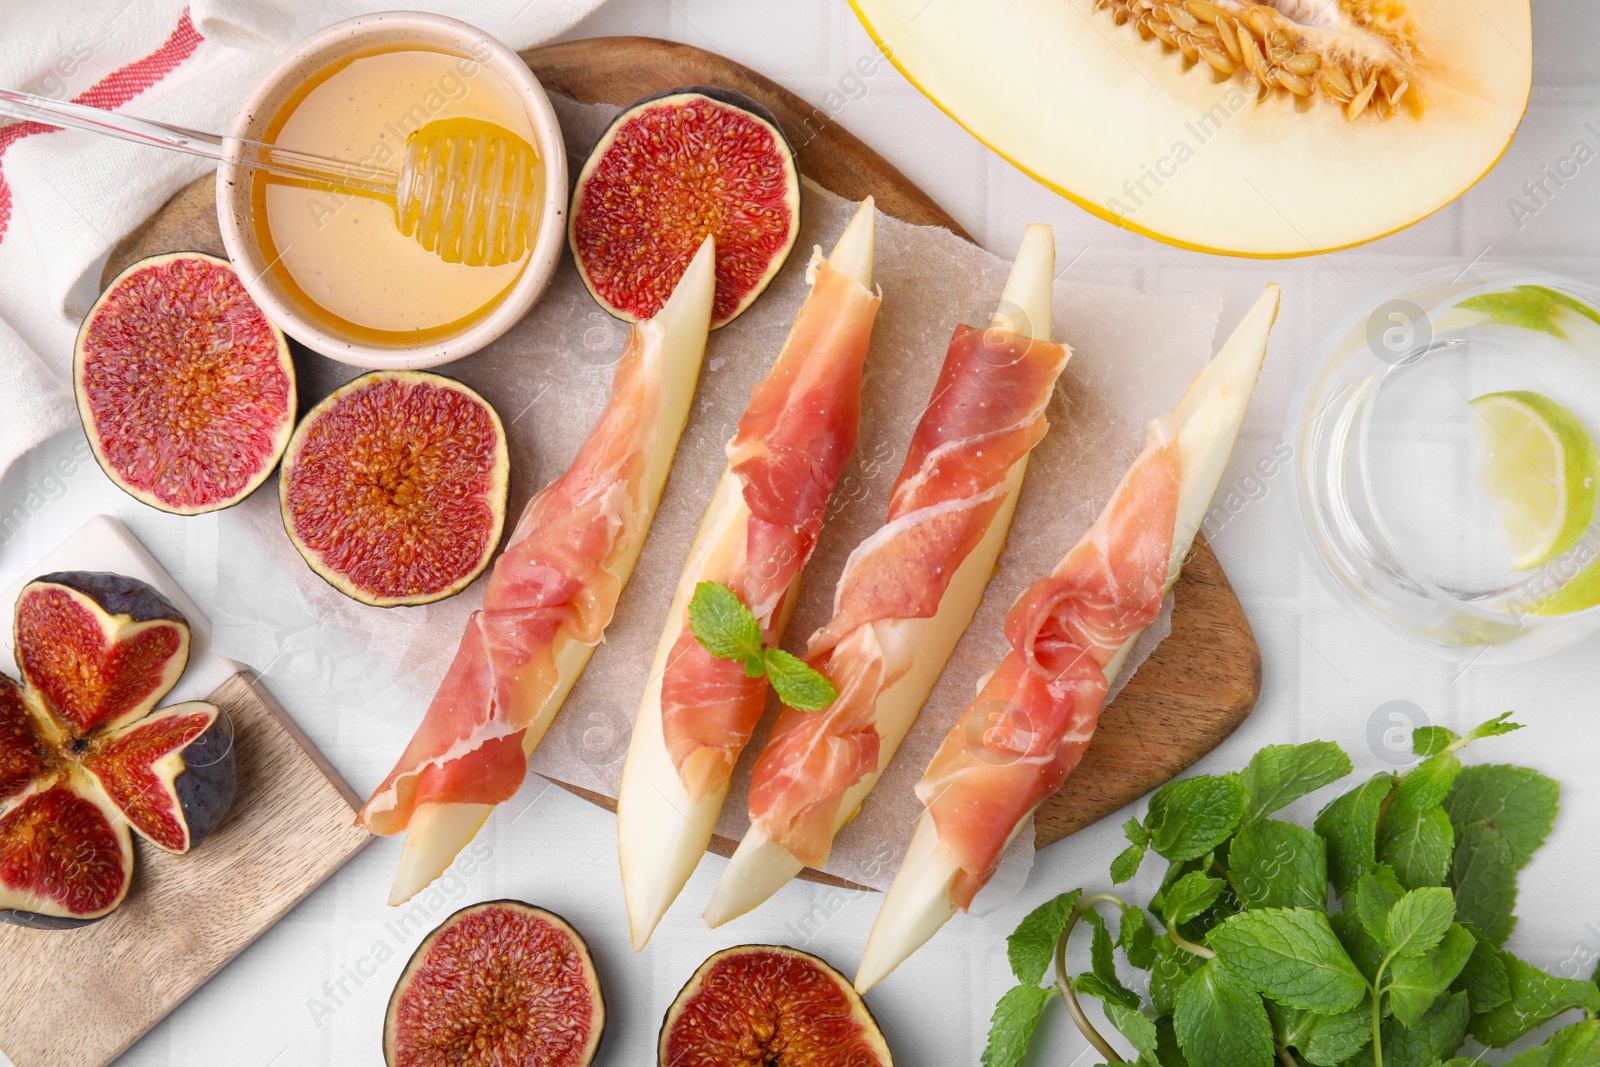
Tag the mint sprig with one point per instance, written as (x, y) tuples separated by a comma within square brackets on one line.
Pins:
[(727, 629), (723, 625), (1372, 938)]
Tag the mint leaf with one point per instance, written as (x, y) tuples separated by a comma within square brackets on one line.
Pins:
[(1126, 865), (1426, 784), (1364, 950), (1032, 946), (1274, 864), (798, 685), (1168, 1054), (1176, 871), (1278, 775), (1427, 740), (1417, 981), (1371, 900), (1218, 1020), (1536, 998), (1089, 984), (1437, 1034), (1012, 1025), (1522, 804), (1190, 896), (1495, 727), (1135, 938), (1136, 1027), (1417, 844), (722, 624), (1484, 978), (1484, 877), (1192, 816), (1325, 1040), (725, 628), (1173, 967), (1104, 964), (1332, 1039), (1350, 826), (1292, 956), (1418, 920), (1577, 1045)]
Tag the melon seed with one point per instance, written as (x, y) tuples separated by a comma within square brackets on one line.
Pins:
[(1256, 40)]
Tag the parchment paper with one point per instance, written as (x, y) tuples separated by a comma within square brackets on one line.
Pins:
[(550, 376)]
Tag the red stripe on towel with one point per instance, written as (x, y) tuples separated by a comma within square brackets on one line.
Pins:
[(110, 92)]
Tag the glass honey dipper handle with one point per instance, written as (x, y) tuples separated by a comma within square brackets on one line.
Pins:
[(467, 190)]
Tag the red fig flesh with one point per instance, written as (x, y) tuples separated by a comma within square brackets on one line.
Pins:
[(670, 170), (83, 758), (771, 1006), (186, 391), (497, 984), (394, 487)]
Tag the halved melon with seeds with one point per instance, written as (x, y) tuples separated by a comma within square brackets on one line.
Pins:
[(1249, 127)]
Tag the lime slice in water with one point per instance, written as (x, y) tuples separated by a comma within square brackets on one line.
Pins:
[(1541, 468), (1582, 592)]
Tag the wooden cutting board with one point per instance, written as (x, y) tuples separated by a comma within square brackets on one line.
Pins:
[(78, 998), (1191, 694)]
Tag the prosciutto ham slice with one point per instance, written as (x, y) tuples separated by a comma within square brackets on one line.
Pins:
[(762, 522), (909, 590), (552, 579), (1032, 720), (791, 447), (554, 588), (986, 414), (1068, 636)]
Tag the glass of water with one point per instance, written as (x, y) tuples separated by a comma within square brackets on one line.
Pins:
[(1445, 466)]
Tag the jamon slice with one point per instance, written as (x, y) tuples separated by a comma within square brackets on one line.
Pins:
[(909, 590), (1069, 635), (790, 449), (549, 598)]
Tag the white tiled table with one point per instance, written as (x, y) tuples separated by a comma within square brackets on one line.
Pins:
[(313, 990)]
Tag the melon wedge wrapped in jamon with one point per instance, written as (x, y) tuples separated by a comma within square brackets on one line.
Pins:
[(909, 590), (791, 446), (549, 597), (1249, 127), (1069, 635)]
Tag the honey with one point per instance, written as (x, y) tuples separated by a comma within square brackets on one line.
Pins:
[(340, 255)]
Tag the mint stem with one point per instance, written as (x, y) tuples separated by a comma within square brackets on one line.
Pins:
[(1189, 946), (1064, 982), (1377, 1011), (1377, 1027)]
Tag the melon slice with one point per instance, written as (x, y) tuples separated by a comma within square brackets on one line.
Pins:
[(1249, 127)]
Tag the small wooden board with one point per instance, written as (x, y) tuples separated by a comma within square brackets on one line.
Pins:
[(1203, 680), (78, 998)]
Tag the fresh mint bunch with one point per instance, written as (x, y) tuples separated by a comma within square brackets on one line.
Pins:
[(727, 629), (1375, 937)]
